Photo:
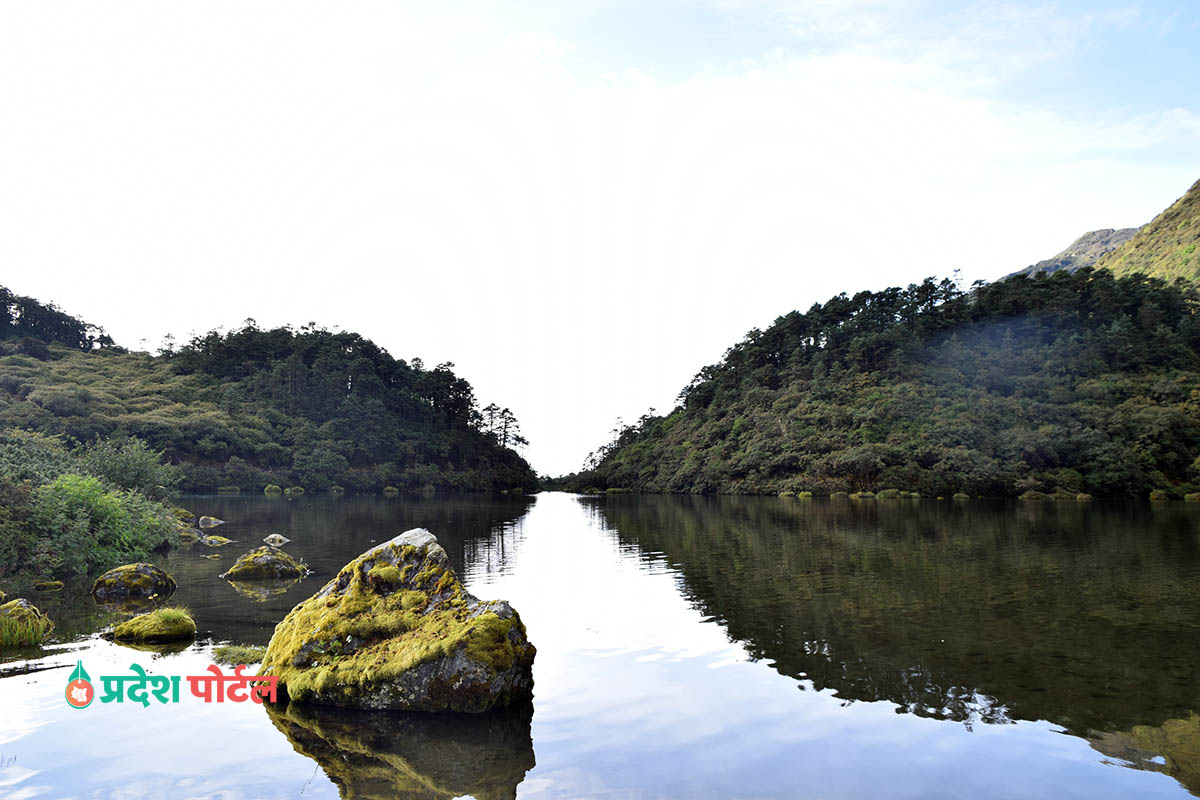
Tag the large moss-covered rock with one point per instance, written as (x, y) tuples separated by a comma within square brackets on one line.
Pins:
[(133, 581), (160, 625), (265, 563), (395, 629)]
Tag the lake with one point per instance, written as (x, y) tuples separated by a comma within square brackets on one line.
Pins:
[(722, 647)]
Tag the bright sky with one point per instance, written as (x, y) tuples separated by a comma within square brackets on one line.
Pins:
[(578, 203)]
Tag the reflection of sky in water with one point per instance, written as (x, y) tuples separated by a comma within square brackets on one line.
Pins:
[(637, 695)]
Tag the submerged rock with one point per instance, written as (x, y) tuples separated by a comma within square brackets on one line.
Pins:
[(373, 755), (160, 625), (133, 580), (210, 522), (265, 563), (276, 540), (396, 630), (22, 624)]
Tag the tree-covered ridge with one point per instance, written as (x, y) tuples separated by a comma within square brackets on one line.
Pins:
[(1166, 247), (251, 407), (26, 318), (1068, 383)]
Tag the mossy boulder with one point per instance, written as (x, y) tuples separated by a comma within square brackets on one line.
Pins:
[(272, 488), (48, 586), (961, 496), (1192, 497), (1159, 496), (159, 625), (891, 494), (294, 491), (210, 522), (186, 518), (396, 630), (335, 489), (212, 540), (22, 624), (133, 581), (265, 563), (276, 540), (390, 491), (229, 490)]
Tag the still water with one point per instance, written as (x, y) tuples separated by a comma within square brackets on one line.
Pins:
[(687, 647)]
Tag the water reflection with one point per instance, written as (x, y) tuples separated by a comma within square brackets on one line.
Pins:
[(1083, 615), (428, 756)]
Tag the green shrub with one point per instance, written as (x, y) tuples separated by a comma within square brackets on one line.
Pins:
[(84, 528), (128, 464)]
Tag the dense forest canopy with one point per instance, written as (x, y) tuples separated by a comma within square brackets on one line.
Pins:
[(251, 407), (1055, 384)]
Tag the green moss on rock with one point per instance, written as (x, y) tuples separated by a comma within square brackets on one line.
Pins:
[(395, 629), (1159, 496), (265, 563), (48, 586), (160, 625), (390, 491), (22, 624), (139, 580), (272, 488), (231, 655)]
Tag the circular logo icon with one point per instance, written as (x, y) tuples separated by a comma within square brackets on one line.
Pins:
[(80, 693)]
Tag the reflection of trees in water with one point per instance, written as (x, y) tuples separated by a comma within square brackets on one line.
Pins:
[(1083, 615), (376, 754)]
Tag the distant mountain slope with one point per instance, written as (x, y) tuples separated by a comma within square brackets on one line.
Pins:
[(1167, 247), (1083, 252)]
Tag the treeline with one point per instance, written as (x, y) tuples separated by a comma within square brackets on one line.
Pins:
[(1060, 384), (309, 407), (37, 324)]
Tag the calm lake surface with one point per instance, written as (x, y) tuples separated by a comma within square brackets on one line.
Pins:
[(688, 647)]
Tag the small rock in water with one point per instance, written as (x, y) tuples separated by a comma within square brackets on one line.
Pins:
[(215, 541), (265, 563), (210, 522), (275, 540), (132, 580)]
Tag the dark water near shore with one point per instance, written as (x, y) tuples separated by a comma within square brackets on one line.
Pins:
[(688, 647)]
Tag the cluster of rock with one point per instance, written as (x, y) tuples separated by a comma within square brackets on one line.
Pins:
[(394, 630)]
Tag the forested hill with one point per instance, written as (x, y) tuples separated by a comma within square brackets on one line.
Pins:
[(1068, 383), (309, 407)]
